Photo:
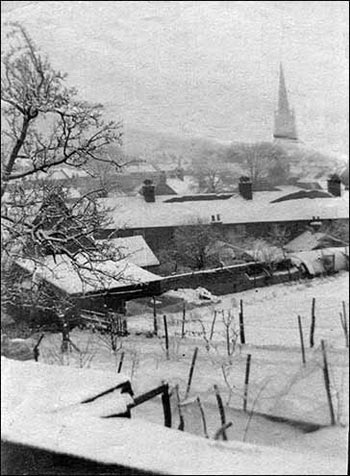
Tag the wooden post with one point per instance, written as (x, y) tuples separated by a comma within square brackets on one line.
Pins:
[(301, 340), (241, 322), (246, 382), (344, 310), (201, 409), (164, 391), (183, 320), (166, 406), (120, 362), (327, 382), (155, 324), (36, 348), (65, 338), (181, 426), (125, 326), (166, 337), (313, 321), (222, 412), (213, 325), (344, 324), (222, 431), (191, 372)]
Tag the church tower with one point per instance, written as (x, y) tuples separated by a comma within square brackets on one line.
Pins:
[(285, 128)]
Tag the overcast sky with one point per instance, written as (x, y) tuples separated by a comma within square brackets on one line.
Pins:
[(203, 68)]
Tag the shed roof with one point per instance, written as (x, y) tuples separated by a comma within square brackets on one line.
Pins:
[(61, 272), (314, 259), (135, 250), (309, 241)]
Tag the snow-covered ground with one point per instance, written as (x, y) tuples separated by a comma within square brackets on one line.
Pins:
[(279, 384), (270, 313)]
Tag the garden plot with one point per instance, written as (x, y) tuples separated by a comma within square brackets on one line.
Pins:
[(286, 399), (270, 314)]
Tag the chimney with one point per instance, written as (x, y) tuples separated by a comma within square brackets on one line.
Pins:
[(334, 185), (148, 191), (245, 188)]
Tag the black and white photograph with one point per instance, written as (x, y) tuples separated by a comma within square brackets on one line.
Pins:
[(174, 237)]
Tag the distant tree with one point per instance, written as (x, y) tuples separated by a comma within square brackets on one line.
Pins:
[(261, 161), (211, 172)]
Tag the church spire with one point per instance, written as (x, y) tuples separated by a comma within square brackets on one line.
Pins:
[(285, 127)]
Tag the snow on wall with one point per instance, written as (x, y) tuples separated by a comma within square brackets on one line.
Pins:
[(30, 388), (153, 448)]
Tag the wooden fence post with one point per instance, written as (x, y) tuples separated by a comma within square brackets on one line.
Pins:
[(155, 325), (166, 337), (344, 324), (241, 322), (183, 320), (222, 413), (36, 348), (301, 340), (313, 321), (120, 362), (204, 421), (344, 310), (246, 382), (181, 426), (222, 431), (166, 406), (213, 325), (191, 372), (327, 382)]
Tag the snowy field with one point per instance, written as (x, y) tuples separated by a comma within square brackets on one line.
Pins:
[(279, 384)]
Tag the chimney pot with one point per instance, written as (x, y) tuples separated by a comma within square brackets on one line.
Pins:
[(148, 191)]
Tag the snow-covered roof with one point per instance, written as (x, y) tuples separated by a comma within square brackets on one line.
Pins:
[(61, 272), (41, 409), (134, 212), (135, 250), (182, 187), (314, 259), (308, 241), (61, 173)]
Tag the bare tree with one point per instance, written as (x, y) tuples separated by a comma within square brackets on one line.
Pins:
[(45, 125), (212, 174), (261, 161), (194, 243), (230, 332)]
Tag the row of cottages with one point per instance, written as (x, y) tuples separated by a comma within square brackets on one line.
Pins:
[(156, 217)]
